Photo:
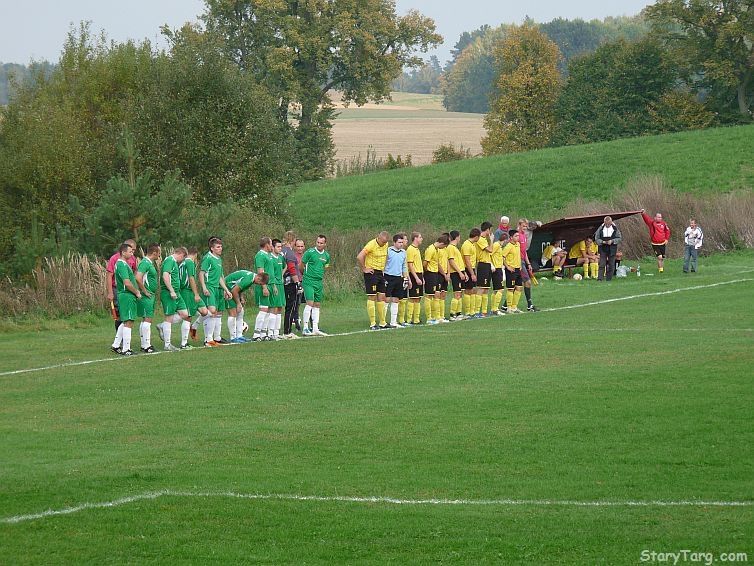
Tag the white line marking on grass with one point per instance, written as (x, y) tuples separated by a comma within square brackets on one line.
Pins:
[(567, 307), (372, 499)]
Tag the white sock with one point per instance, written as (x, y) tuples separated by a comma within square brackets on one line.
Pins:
[(239, 325), (315, 319), (208, 324), (268, 325), (185, 328), (197, 321), (218, 333), (126, 337), (118, 336), (142, 333), (277, 318), (146, 334), (231, 322), (307, 313), (167, 330), (259, 323), (394, 314)]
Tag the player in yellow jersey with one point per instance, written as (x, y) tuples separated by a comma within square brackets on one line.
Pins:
[(586, 254), (372, 263), (432, 277), (512, 263), (415, 278), (554, 256), (468, 252), (498, 278), (458, 275), (444, 270), (483, 250)]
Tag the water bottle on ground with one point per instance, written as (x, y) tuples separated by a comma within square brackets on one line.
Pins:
[(638, 271)]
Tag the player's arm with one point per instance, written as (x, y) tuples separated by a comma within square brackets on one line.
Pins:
[(140, 283), (203, 280), (130, 286), (454, 267), (414, 274), (361, 258), (224, 287), (110, 280), (467, 262), (194, 288), (168, 284), (235, 293)]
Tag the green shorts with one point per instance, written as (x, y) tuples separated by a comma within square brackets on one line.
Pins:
[(231, 304), (216, 298), (145, 307), (277, 296), (171, 306), (313, 290), (191, 305), (126, 306), (259, 297)]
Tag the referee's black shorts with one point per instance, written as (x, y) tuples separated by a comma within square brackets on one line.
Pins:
[(394, 286)]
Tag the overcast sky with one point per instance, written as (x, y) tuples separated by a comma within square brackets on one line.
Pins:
[(36, 29)]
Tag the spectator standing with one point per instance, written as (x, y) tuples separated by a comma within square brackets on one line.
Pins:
[(659, 232), (292, 283), (607, 237), (692, 238)]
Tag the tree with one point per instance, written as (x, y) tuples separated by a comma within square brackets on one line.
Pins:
[(715, 38), (424, 80), (301, 49), (522, 116)]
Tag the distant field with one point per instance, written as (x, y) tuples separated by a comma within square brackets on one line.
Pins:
[(617, 420), (413, 124), (538, 183)]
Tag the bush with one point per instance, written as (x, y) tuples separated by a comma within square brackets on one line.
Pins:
[(357, 166), (448, 152)]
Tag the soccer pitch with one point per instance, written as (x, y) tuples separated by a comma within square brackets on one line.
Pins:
[(617, 420)]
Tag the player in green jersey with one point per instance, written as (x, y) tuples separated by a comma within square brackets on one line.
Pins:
[(263, 264), (190, 291), (238, 282), (128, 293), (314, 262), (277, 290), (146, 278), (172, 302), (214, 290)]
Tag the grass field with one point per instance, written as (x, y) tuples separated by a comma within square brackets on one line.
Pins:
[(538, 183), (410, 123), (518, 439)]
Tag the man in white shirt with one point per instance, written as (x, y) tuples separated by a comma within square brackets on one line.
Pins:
[(607, 237), (692, 238)]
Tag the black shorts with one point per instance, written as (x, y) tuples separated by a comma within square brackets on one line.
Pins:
[(497, 280), (659, 249), (442, 283), (415, 291), (374, 283), (431, 281), (546, 264), (513, 278), (394, 286), (483, 274), (571, 260), (455, 280), (468, 284)]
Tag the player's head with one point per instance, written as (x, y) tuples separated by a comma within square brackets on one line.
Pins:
[(416, 238), (321, 242), (383, 238), (398, 241), (485, 227), (265, 243), (474, 234), (504, 220), (192, 251), (515, 236), (277, 246), (588, 240), (290, 237), (126, 250), (131, 242), (261, 278), (442, 241), (692, 223), (299, 246), (153, 251), (216, 245), (455, 237)]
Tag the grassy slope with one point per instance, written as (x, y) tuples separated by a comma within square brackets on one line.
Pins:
[(659, 411), (538, 183)]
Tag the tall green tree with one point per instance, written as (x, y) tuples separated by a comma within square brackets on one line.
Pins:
[(301, 49), (716, 40), (522, 116)]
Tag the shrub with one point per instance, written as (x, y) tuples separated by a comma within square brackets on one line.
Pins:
[(448, 152)]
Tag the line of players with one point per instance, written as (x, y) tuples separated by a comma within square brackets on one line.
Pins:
[(185, 294), (396, 277)]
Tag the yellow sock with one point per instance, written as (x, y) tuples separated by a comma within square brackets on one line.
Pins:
[(381, 312), (516, 298), (477, 303), (497, 300), (586, 271), (371, 312), (509, 298), (441, 302), (417, 312), (594, 268), (466, 303), (429, 308), (436, 308), (485, 303), (453, 306), (402, 311), (410, 312)]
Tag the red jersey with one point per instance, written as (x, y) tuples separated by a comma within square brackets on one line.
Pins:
[(114, 259), (659, 232)]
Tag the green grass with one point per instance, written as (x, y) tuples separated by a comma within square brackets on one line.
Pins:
[(540, 183), (644, 399)]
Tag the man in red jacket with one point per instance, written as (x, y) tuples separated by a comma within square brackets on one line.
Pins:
[(659, 232)]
